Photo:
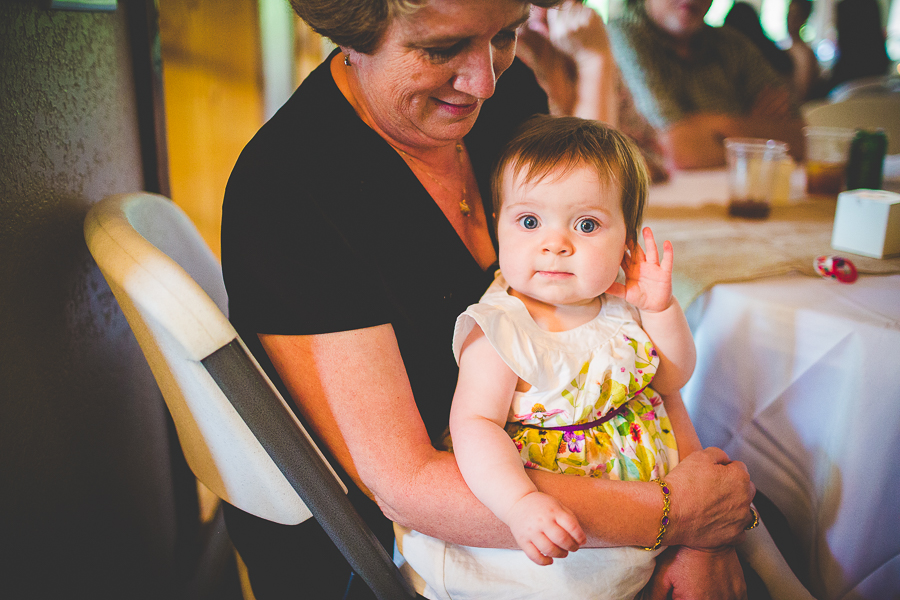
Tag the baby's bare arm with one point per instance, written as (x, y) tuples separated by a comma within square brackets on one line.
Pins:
[(671, 335), (490, 463), (648, 286), (487, 457)]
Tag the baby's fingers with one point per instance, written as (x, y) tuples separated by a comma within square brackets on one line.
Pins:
[(651, 252), (569, 534), (668, 259), (536, 556), (635, 254), (548, 547)]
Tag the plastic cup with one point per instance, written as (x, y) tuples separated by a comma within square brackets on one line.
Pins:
[(754, 166), (827, 150)]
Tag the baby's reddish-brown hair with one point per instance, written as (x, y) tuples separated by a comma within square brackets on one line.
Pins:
[(545, 144)]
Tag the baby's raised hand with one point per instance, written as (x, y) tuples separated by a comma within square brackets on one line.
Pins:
[(544, 528), (648, 280)]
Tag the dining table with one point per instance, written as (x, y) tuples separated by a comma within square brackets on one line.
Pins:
[(798, 375)]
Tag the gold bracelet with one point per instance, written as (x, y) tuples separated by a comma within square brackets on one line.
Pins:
[(665, 516), (755, 516)]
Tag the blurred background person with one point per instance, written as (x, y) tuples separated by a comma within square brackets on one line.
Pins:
[(569, 52), (745, 19), (861, 42), (698, 85), (806, 74)]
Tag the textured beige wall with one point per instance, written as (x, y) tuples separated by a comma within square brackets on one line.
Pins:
[(86, 507)]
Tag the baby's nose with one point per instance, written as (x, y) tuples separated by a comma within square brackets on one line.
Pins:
[(557, 243)]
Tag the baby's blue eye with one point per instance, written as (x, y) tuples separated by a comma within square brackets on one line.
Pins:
[(529, 222), (587, 226)]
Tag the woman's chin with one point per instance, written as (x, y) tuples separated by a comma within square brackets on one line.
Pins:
[(449, 123)]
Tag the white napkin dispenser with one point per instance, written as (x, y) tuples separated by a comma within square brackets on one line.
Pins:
[(867, 222)]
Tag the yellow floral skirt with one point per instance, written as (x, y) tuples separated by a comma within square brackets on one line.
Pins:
[(637, 444)]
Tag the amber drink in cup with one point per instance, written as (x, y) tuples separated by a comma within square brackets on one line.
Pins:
[(827, 150), (753, 170)]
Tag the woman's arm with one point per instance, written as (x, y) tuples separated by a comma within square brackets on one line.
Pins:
[(352, 389), (569, 52), (697, 141), (578, 31)]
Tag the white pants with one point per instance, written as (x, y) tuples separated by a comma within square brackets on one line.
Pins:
[(442, 571)]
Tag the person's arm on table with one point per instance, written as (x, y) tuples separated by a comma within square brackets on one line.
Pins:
[(352, 389), (697, 141)]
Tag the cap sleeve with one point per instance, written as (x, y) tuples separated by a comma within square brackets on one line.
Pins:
[(530, 353)]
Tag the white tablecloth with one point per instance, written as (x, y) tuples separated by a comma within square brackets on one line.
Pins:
[(799, 377)]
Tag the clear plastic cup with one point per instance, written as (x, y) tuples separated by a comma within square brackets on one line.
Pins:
[(827, 150), (754, 166)]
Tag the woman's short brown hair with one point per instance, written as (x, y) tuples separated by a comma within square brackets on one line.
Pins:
[(545, 144), (359, 24)]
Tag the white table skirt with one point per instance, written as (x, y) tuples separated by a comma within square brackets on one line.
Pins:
[(799, 378)]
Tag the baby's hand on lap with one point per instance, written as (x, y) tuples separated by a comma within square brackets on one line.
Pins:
[(544, 528), (648, 277)]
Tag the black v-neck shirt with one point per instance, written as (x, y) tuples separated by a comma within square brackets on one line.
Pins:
[(325, 229)]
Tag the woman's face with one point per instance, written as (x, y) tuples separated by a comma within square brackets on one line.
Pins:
[(679, 18), (425, 83)]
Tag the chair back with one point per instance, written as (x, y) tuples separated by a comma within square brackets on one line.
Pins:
[(861, 112), (239, 436), (170, 287)]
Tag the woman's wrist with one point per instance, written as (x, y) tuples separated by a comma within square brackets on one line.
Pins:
[(593, 58), (664, 520), (673, 301)]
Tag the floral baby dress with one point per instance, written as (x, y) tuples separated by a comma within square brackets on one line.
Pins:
[(590, 410), (591, 384)]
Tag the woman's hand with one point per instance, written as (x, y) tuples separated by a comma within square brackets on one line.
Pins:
[(648, 279), (685, 573), (555, 71), (569, 52), (711, 498), (544, 528), (577, 29)]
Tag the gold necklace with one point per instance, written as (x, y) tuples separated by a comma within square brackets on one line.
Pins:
[(464, 207)]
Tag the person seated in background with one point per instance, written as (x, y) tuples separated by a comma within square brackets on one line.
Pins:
[(745, 19), (569, 52), (806, 74), (698, 85), (861, 42)]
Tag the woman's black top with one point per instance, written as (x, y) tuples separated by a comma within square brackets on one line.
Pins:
[(325, 229)]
